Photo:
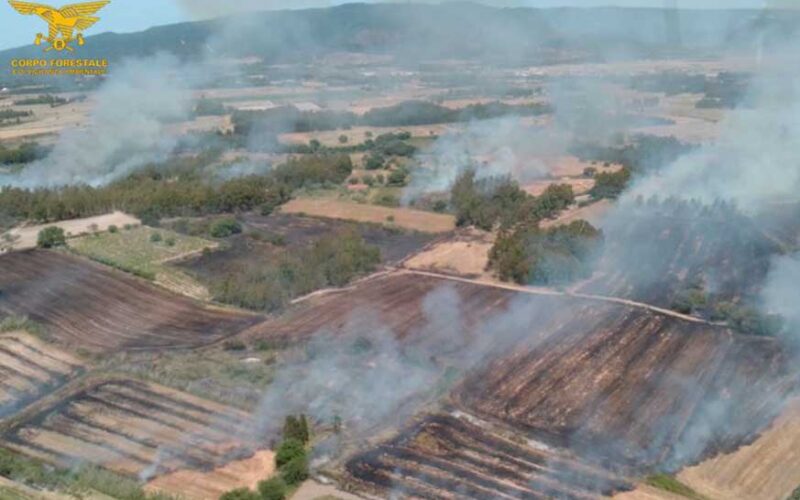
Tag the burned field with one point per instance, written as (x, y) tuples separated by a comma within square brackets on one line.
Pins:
[(447, 456), (582, 403), (30, 368), (134, 428), (266, 236), (658, 254), (415, 307), (88, 306), (635, 389)]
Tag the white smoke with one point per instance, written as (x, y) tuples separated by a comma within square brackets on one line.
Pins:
[(125, 130)]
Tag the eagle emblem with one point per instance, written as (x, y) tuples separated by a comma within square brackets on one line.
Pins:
[(63, 23)]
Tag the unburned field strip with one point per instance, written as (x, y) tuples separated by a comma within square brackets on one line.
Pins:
[(134, 428), (95, 308)]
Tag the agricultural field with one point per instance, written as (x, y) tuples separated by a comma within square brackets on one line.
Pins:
[(448, 457), (147, 252), (617, 390), (30, 368), (406, 218), (133, 428), (199, 485), (97, 309), (23, 238), (466, 253), (766, 468)]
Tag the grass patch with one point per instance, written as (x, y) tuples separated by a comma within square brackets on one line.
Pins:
[(142, 251), (668, 483), (22, 324), (80, 482), (219, 375)]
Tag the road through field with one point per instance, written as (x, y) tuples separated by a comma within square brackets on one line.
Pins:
[(551, 292)]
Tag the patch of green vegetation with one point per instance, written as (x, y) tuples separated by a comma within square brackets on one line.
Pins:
[(485, 203), (668, 483), (231, 377), (291, 460), (332, 261), (795, 494), (550, 256), (140, 250), (83, 480), (174, 189), (22, 324), (51, 237)]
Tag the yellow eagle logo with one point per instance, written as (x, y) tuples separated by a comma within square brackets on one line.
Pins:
[(62, 22)]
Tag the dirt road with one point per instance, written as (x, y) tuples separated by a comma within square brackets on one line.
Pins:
[(549, 291)]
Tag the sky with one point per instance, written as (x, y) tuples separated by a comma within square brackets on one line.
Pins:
[(123, 16)]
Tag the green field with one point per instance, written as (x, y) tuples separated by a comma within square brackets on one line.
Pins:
[(146, 252)]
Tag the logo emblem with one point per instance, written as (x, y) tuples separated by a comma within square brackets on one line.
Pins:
[(62, 23)]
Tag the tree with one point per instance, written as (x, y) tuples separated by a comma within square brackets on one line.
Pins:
[(240, 494), (224, 228), (288, 450), (295, 471), (51, 237), (296, 428), (272, 489)]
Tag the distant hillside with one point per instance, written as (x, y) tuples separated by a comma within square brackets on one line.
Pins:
[(418, 32)]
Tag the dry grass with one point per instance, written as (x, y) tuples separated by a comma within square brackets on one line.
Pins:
[(25, 237), (406, 218), (767, 469), (196, 485), (466, 254)]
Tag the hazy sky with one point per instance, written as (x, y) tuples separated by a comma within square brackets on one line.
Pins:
[(135, 15)]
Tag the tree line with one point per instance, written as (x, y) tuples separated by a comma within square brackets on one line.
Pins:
[(174, 189), (408, 113)]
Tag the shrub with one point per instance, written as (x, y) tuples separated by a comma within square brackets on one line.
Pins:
[(113, 229), (272, 489), (224, 228), (296, 428), (170, 242), (155, 237), (240, 494), (234, 345), (51, 237), (374, 162), (343, 139), (398, 178), (289, 450), (295, 471)]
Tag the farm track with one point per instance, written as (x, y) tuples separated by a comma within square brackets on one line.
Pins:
[(88, 306)]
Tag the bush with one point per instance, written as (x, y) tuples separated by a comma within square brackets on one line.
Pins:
[(240, 494), (374, 162), (51, 237), (296, 428), (343, 139), (113, 229), (289, 450), (560, 254), (155, 238), (170, 242), (272, 489), (224, 228), (398, 178), (295, 471)]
